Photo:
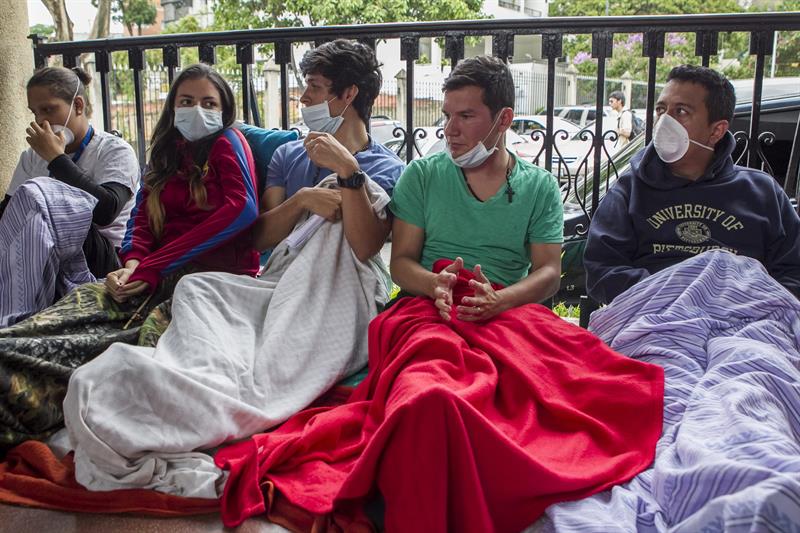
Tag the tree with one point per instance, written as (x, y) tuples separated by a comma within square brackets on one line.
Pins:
[(241, 14), (788, 49), (134, 13), (733, 59), (61, 21), (226, 56), (248, 14), (101, 26), (42, 30)]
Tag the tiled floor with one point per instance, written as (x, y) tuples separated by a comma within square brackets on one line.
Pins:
[(26, 520)]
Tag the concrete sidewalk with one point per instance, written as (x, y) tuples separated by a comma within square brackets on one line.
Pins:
[(27, 520)]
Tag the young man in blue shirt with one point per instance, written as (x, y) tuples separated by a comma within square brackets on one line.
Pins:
[(342, 81)]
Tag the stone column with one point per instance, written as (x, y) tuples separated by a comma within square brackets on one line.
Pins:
[(572, 85), (400, 101), (436, 54), (16, 66), (272, 97), (627, 89)]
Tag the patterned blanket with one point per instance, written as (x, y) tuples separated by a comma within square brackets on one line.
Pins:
[(728, 338)]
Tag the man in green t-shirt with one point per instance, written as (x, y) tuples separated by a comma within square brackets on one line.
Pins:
[(477, 204)]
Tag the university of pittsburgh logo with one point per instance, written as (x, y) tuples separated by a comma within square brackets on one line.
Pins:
[(693, 232)]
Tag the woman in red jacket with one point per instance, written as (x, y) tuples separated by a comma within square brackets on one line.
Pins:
[(192, 213), (199, 191)]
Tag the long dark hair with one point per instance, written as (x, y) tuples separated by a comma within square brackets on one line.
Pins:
[(163, 164)]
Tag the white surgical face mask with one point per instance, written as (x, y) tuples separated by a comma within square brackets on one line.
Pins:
[(69, 137), (671, 140), (475, 156), (196, 122), (318, 117)]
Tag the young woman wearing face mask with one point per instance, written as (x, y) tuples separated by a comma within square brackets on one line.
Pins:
[(195, 199), (193, 213), (72, 195)]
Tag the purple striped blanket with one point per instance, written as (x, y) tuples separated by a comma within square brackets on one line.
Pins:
[(728, 337)]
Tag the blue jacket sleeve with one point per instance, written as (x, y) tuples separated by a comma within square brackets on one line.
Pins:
[(610, 249)]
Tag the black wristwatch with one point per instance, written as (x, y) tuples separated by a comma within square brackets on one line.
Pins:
[(355, 181)]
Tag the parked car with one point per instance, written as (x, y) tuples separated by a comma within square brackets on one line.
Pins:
[(430, 143), (581, 114), (525, 125), (573, 156), (778, 115), (381, 128)]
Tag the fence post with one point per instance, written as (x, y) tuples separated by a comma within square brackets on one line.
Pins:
[(272, 97), (627, 88), (572, 85), (400, 101)]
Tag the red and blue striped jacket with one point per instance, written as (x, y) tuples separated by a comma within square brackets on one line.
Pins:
[(214, 238)]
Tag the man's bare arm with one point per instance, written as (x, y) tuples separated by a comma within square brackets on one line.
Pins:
[(282, 214)]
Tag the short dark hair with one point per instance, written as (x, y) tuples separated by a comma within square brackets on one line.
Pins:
[(488, 73), (618, 95), (347, 63), (721, 98), (61, 82)]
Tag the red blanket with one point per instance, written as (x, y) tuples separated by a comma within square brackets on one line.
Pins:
[(460, 426)]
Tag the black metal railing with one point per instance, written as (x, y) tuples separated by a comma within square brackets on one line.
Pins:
[(761, 28)]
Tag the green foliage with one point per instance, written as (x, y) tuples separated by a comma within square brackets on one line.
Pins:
[(246, 14), (788, 59), (567, 311), (254, 14), (134, 13), (43, 30), (734, 58)]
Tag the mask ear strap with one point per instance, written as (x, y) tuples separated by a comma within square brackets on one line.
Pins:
[(701, 145), (72, 102), (490, 130)]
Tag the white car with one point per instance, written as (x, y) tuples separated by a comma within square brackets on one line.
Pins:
[(381, 128), (433, 141), (582, 115), (527, 125), (572, 155)]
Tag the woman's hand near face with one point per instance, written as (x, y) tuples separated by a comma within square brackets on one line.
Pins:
[(47, 144)]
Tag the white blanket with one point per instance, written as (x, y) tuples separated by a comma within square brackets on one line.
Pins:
[(240, 356)]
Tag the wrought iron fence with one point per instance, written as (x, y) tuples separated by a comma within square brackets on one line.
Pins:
[(537, 92)]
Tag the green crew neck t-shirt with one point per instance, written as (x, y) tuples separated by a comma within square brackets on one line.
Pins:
[(433, 195)]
